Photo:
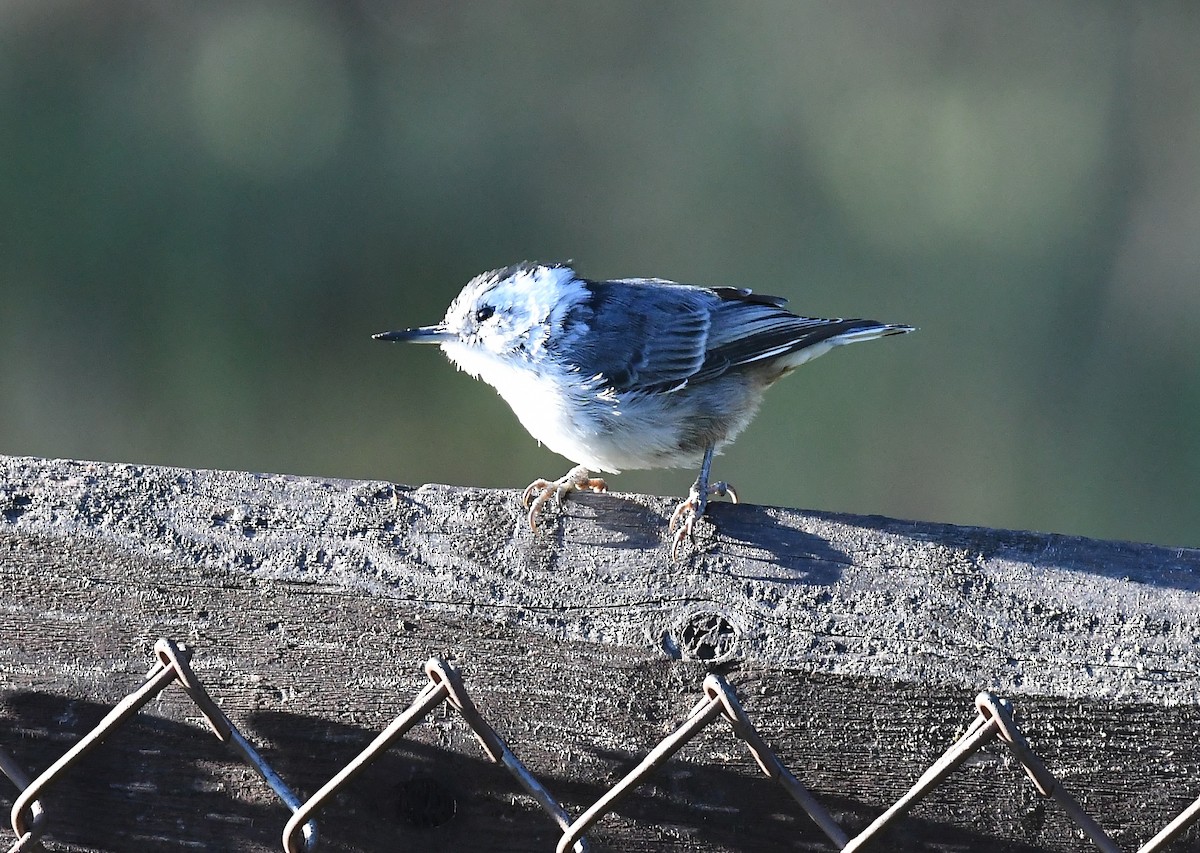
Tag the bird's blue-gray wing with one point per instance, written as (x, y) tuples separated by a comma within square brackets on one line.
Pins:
[(748, 327), (640, 334), (653, 335)]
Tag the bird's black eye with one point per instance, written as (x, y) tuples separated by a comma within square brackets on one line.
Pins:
[(483, 313)]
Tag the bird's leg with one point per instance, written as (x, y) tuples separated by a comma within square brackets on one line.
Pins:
[(693, 506), (539, 491)]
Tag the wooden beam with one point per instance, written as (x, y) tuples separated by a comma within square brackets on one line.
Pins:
[(856, 646)]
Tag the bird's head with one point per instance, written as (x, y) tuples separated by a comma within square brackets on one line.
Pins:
[(508, 316)]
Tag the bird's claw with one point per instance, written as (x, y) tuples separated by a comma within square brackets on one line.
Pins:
[(691, 508), (538, 492)]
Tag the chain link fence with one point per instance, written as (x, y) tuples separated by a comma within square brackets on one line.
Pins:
[(993, 722)]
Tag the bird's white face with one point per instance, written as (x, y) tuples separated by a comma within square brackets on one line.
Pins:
[(506, 315)]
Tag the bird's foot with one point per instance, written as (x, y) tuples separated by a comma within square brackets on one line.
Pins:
[(539, 491), (685, 515)]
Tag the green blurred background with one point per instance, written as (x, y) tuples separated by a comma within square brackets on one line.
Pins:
[(208, 208)]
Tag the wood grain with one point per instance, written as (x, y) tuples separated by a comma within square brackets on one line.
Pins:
[(856, 645)]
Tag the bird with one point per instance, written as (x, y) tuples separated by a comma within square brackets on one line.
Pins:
[(630, 373)]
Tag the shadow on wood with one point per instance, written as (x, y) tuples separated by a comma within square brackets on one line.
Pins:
[(857, 645)]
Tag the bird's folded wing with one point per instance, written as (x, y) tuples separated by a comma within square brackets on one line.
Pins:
[(648, 335)]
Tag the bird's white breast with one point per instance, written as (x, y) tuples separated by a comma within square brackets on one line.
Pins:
[(572, 415), (546, 412)]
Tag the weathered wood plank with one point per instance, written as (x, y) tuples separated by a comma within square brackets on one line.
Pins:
[(857, 645)]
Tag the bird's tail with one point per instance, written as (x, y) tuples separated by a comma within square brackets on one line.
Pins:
[(820, 336), (867, 330)]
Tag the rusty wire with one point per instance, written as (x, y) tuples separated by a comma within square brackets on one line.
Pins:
[(719, 700), (993, 723), (1173, 829), (171, 665), (28, 840), (445, 685), (1047, 785)]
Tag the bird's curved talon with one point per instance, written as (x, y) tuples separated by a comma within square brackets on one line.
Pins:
[(538, 492), (691, 508), (537, 487), (544, 490), (682, 523), (684, 506), (676, 541), (723, 489)]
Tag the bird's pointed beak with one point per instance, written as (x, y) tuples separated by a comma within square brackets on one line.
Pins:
[(419, 335)]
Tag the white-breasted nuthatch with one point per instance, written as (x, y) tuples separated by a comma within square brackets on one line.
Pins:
[(632, 373)]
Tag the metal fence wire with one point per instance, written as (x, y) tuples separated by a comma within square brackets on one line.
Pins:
[(993, 722)]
